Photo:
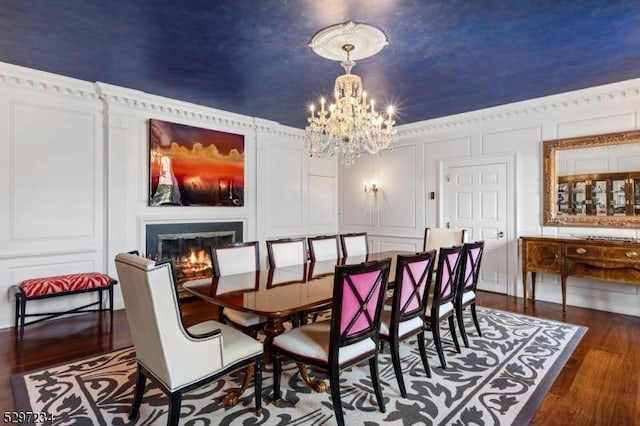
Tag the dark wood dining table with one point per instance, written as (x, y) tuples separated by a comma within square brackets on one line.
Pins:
[(279, 294)]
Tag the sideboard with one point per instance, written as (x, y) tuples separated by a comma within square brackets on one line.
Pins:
[(598, 258)]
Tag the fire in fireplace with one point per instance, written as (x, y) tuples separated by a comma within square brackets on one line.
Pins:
[(188, 246), (190, 251)]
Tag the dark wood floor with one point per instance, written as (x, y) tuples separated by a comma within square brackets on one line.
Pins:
[(598, 386)]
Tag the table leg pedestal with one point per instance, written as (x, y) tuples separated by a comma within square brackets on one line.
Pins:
[(233, 397), (318, 386), (272, 328)]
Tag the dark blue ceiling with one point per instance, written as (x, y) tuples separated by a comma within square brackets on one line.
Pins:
[(251, 57)]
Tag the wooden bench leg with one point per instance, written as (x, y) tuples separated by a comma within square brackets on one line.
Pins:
[(21, 304), (111, 304)]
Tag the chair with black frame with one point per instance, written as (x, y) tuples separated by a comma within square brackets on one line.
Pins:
[(323, 247), (404, 317), (354, 244), (348, 338), (176, 358), (440, 306), (286, 252), (466, 286), (232, 259)]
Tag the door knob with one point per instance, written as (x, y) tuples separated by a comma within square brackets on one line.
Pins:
[(500, 234)]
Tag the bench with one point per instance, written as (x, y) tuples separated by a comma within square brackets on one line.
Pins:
[(61, 285)]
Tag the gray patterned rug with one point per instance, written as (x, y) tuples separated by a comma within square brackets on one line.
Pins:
[(500, 380)]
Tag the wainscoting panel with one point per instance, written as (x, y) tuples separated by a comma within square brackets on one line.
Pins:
[(396, 199), (53, 173), (404, 246), (356, 205), (596, 124), (322, 200), (285, 187)]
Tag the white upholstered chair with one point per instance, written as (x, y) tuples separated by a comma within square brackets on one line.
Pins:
[(435, 238), (286, 252), (233, 259), (354, 244), (323, 247), (176, 358), (323, 251)]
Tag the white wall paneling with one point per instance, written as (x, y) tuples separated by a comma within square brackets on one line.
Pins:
[(285, 179), (74, 171), (52, 174), (322, 195), (297, 194), (104, 130), (514, 128), (398, 180), (356, 206), (322, 201)]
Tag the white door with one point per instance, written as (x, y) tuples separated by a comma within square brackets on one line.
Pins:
[(476, 196)]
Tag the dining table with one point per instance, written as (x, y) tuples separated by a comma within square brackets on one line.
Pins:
[(280, 294)]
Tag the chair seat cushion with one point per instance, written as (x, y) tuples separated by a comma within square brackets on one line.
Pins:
[(445, 309), (311, 341), (406, 328), (244, 319), (64, 284), (468, 297), (237, 345)]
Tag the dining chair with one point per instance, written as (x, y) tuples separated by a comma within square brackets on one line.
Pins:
[(323, 247), (323, 250), (286, 252), (404, 317), (233, 259), (466, 286), (440, 305), (354, 244), (348, 338), (176, 358), (434, 238)]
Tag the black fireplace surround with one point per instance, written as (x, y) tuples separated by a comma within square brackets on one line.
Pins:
[(155, 231)]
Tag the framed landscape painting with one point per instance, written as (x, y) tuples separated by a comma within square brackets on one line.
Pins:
[(191, 166)]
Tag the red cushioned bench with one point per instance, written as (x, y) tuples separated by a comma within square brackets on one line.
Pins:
[(61, 285)]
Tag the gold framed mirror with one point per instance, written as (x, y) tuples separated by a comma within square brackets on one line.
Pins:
[(592, 181)]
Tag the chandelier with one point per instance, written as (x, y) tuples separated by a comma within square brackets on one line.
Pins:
[(349, 125)]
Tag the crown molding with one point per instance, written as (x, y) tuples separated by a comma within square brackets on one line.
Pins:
[(116, 96), (121, 97), (28, 78), (624, 90), (276, 129)]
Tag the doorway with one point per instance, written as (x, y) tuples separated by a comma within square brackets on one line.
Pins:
[(478, 195)]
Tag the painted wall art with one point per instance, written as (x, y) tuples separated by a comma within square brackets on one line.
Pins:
[(191, 166)]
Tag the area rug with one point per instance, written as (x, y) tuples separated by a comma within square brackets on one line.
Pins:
[(499, 380)]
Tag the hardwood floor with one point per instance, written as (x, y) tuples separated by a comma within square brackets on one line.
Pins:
[(598, 386)]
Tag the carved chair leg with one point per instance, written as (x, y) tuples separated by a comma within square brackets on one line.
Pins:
[(233, 397), (318, 386)]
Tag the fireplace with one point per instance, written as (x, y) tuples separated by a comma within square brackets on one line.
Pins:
[(188, 246)]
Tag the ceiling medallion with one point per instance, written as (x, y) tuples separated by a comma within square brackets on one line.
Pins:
[(350, 124)]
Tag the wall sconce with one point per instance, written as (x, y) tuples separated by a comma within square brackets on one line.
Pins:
[(371, 187)]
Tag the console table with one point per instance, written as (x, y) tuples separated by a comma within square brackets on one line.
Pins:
[(605, 259)]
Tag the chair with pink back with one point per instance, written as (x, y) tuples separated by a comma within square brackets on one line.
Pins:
[(350, 337)]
